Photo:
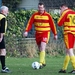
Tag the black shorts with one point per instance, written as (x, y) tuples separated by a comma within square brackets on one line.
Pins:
[(2, 44)]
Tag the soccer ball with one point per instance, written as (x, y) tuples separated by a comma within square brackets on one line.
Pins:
[(35, 65)]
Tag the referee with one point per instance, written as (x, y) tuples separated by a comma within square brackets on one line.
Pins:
[(3, 25)]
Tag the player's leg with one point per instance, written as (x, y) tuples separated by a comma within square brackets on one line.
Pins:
[(70, 46), (67, 58), (42, 53), (39, 44), (41, 40), (71, 53), (65, 63), (44, 41), (42, 56), (72, 58), (2, 57), (2, 53)]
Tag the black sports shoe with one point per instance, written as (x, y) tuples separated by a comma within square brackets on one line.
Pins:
[(41, 66), (62, 71), (6, 70), (44, 65), (73, 72)]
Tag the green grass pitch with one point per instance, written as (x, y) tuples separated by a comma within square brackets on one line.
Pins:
[(22, 66)]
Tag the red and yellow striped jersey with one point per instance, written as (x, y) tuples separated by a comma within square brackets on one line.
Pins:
[(67, 19), (42, 22)]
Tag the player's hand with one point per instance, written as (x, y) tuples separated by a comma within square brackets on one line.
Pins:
[(55, 37), (25, 34)]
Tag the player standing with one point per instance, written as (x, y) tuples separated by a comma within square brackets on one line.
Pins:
[(67, 19), (3, 25)]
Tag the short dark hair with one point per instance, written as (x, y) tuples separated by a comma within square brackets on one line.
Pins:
[(64, 4), (40, 3)]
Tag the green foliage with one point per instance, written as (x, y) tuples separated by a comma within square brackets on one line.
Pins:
[(59, 29), (16, 26), (17, 22)]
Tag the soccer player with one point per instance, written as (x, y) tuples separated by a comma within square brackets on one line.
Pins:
[(43, 23), (3, 24), (67, 19)]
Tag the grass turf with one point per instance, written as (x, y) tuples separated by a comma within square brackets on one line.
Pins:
[(22, 66)]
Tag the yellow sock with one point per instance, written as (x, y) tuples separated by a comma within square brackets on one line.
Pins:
[(44, 62), (42, 57), (73, 61), (66, 61)]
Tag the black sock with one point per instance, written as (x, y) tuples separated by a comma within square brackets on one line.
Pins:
[(2, 58)]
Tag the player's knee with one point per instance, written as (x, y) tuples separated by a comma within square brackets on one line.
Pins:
[(3, 52)]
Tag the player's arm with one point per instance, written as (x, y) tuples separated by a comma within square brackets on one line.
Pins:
[(29, 25), (2, 29), (61, 19), (53, 27)]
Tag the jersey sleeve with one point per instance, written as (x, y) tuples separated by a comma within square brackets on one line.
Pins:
[(52, 25), (61, 19), (2, 26), (29, 24)]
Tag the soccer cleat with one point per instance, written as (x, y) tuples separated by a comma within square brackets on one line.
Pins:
[(73, 72), (6, 70), (62, 71), (41, 66), (44, 65)]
